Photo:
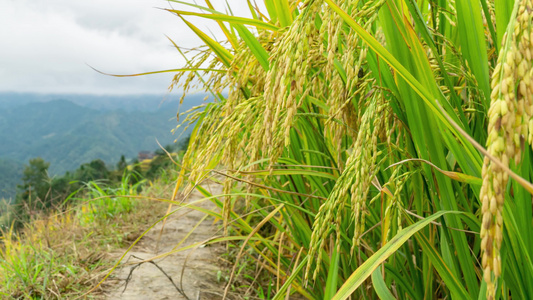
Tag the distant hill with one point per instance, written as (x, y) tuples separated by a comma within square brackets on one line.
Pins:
[(98, 102), (10, 174), (68, 134)]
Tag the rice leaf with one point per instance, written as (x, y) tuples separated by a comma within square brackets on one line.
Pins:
[(373, 262)]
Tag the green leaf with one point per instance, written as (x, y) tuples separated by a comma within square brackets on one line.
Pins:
[(461, 177), (474, 47), (291, 172), (503, 10), (452, 282), (253, 44), (163, 71), (279, 295), (271, 9), (283, 12), (227, 18), (333, 274), (373, 262), (380, 286), (222, 53)]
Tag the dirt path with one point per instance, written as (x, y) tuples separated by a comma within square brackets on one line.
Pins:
[(193, 271)]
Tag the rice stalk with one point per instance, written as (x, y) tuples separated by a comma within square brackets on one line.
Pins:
[(509, 113), (353, 184)]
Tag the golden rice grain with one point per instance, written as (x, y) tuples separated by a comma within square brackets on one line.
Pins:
[(509, 118)]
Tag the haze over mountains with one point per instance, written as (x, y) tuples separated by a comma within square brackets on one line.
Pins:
[(69, 130)]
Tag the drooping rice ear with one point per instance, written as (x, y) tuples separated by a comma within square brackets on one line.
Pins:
[(509, 116)]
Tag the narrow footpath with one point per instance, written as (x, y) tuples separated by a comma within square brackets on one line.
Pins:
[(193, 272)]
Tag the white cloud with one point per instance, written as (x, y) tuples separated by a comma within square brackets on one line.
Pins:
[(46, 45)]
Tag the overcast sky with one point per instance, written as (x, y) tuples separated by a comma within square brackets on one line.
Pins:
[(47, 45)]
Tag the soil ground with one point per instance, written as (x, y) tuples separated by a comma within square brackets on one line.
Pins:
[(193, 272)]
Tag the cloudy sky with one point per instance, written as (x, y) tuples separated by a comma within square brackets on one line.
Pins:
[(47, 45)]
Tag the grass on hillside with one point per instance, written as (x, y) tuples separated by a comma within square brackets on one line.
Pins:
[(63, 255)]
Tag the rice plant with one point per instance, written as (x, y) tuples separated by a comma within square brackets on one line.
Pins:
[(107, 202), (354, 130)]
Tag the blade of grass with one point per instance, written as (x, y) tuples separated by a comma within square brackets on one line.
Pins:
[(283, 12), (473, 44), (222, 53), (256, 229), (333, 274), (461, 177), (380, 286), (229, 19), (503, 10), (231, 37), (373, 262), (253, 44)]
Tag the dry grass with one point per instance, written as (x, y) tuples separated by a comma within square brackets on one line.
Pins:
[(62, 256)]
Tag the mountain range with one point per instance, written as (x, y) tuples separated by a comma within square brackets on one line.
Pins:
[(69, 130)]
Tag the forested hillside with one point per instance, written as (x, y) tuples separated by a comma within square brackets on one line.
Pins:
[(67, 134), (10, 174)]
